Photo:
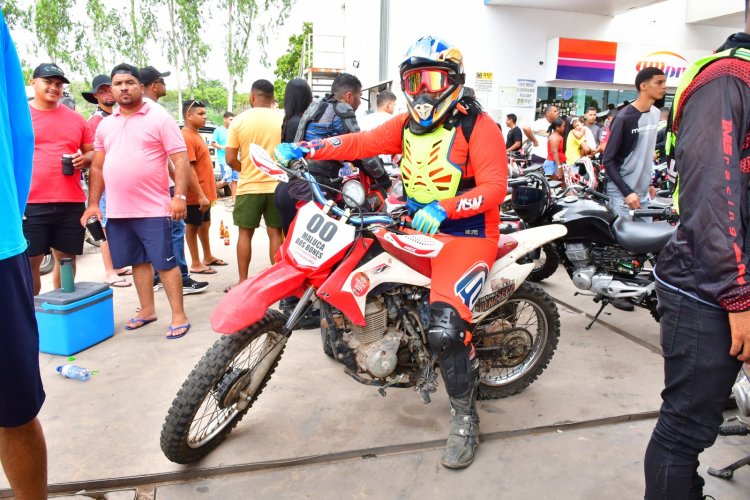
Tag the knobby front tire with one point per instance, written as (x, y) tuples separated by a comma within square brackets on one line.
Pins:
[(222, 387)]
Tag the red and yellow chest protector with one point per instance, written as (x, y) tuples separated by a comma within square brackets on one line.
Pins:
[(426, 170)]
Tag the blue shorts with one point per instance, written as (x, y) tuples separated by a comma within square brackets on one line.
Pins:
[(22, 394), (227, 174), (550, 167), (141, 240)]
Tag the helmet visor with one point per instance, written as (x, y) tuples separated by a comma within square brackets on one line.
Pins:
[(432, 79)]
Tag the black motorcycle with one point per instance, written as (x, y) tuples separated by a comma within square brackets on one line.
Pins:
[(608, 257)]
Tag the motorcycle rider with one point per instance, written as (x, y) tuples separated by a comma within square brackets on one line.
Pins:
[(329, 117), (454, 170)]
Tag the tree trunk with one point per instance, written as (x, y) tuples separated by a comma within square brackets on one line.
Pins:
[(230, 40), (176, 53)]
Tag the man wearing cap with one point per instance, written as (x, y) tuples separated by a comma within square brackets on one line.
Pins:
[(56, 200), (153, 82), (101, 95), (139, 208), (154, 89)]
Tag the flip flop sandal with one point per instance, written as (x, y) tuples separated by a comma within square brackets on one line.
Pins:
[(122, 283), (217, 262), (140, 322), (208, 270), (126, 272), (180, 327)]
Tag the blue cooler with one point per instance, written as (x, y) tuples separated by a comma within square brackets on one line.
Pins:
[(72, 322)]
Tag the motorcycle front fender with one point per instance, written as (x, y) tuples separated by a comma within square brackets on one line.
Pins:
[(247, 302)]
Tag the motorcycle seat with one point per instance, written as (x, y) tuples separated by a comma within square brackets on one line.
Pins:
[(640, 236)]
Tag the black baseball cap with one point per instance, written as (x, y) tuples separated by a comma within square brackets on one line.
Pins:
[(97, 82), (126, 69), (49, 70), (149, 75)]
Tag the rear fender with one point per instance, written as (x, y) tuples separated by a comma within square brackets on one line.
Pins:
[(529, 240), (247, 302), (501, 284)]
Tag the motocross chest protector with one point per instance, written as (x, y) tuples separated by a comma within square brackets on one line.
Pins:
[(427, 172)]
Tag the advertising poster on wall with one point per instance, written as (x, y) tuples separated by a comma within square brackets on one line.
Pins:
[(526, 93)]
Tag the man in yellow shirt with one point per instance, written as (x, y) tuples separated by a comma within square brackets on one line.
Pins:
[(255, 191)]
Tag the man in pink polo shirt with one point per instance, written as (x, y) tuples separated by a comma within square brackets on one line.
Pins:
[(131, 150)]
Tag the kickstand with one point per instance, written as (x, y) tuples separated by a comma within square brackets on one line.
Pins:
[(728, 471), (596, 316)]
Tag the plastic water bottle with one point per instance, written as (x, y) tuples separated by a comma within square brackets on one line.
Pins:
[(76, 372)]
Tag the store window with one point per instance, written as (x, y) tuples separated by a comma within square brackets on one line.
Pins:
[(574, 102)]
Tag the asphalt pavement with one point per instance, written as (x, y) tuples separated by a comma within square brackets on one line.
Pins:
[(579, 431)]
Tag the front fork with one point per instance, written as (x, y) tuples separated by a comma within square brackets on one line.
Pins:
[(300, 309)]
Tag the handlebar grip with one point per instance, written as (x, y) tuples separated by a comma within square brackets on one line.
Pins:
[(597, 194), (519, 181)]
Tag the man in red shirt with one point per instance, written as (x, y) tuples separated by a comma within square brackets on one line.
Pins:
[(101, 95), (56, 201), (199, 200)]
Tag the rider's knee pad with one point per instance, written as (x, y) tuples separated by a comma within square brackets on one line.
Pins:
[(446, 335)]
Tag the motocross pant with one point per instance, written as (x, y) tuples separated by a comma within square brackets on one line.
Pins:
[(459, 272)]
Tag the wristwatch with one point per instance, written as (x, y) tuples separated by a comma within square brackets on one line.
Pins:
[(181, 196)]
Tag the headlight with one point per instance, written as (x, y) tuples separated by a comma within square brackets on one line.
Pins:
[(354, 194)]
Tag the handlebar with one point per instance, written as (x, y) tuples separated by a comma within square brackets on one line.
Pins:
[(295, 171)]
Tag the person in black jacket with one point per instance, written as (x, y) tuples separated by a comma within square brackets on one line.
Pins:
[(297, 98), (702, 280)]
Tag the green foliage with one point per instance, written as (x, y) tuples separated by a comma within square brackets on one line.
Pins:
[(288, 65), (249, 22), (61, 38), (15, 15), (102, 48)]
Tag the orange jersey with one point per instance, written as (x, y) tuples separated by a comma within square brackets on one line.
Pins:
[(483, 161)]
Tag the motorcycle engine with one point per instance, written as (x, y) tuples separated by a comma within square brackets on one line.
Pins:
[(579, 254), (375, 345)]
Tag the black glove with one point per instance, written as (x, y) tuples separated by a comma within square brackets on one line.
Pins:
[(384, 182)]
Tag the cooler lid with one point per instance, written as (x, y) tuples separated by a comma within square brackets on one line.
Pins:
[(57, 297)]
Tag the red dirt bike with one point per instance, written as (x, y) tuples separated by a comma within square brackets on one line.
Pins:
[(371, 274)]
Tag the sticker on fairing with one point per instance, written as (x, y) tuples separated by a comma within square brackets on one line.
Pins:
[(469, 286), (360, 284), (502, 288), (317, 237), (416, 244)]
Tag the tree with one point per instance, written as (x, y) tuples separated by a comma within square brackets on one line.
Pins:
[(61, 38), (15, 15), (245, 22), (135, 28), (186, 49), (102, 48), (288, 66)]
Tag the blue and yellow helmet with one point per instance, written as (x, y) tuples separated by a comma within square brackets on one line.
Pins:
[(432, 78)]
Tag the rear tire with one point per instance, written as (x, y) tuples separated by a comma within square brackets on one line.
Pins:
[(516, 342), (546, 265), (227, 381)]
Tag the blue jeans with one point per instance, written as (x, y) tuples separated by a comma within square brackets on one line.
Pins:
[(178, 246), (617, 202), (698, 378)]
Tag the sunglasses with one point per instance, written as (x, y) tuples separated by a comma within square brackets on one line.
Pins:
[(197, 104), (431, 79)]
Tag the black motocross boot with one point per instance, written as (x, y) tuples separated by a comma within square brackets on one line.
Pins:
[(463, 438)]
